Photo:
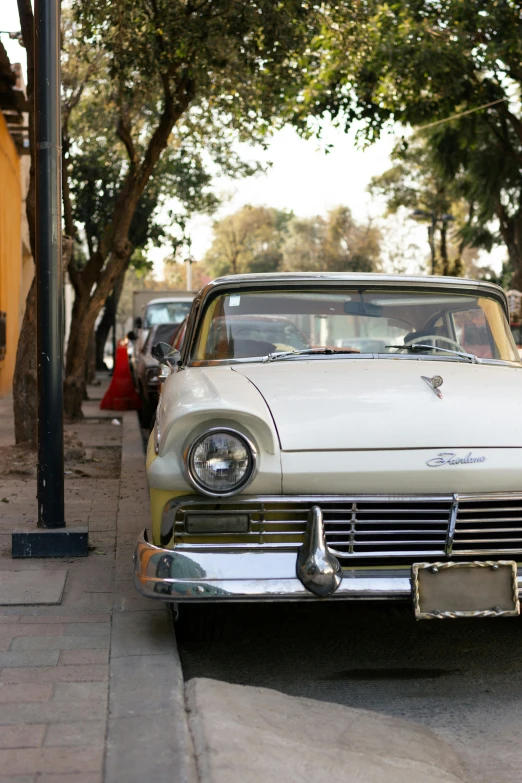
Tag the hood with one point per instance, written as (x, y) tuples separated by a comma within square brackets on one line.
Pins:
[(344, 404)]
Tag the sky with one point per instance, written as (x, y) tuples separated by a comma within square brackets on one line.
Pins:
[(302, 178)]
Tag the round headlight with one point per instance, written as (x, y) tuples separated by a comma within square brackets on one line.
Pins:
[(221, 462)]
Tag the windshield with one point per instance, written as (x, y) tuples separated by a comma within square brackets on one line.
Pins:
[(366, 321), (166, 312)]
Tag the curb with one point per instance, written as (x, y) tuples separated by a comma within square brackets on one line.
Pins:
[(147, 732)]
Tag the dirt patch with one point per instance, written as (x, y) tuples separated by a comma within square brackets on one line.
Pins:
[(97, 454)]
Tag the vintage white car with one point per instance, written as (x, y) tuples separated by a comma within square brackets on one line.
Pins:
[(339, 436)]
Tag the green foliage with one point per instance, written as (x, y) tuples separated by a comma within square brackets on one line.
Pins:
[(250, 240), (262, 239), (420, 62), (333, 244)]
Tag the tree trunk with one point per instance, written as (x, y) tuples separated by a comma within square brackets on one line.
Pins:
[(108, 320), (25, 403), (77, 348), (444, 249), (86, 309), (102, 332), (25, 398), (90, 363)]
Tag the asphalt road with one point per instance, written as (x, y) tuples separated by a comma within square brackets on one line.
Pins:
[(462, 679)]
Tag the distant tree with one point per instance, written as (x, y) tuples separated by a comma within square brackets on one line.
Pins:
[(416, 182), (250, 240), (336, 243)]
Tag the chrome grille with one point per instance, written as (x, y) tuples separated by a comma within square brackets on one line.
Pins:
[(365, 527), (387, 529), (491, 524)]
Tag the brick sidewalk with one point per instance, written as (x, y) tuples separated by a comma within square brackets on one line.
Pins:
[(91, 689)]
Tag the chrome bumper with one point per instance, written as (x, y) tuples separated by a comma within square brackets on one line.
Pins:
[(267, 575)]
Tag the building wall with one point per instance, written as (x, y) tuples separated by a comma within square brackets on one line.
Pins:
[(11, 262)]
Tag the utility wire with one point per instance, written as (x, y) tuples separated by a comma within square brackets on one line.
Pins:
[(462, 114)]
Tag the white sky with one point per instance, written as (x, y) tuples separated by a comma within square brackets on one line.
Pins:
[(302, 177)]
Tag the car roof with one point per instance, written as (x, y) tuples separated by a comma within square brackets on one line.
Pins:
[(366, 278), (373, 278), (167, 299)]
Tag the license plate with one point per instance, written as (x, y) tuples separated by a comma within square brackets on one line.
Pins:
[(453, 590)]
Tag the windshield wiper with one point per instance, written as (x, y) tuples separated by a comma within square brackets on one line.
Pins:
[(471, 356), (273, 357)]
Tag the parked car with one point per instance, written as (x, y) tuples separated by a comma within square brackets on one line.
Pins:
[(155, 312), (305, 473), (148, 370)]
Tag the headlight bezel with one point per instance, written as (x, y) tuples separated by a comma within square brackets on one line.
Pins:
[(193, 478)]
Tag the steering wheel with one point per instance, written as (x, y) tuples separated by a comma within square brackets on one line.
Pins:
[(435, 337)]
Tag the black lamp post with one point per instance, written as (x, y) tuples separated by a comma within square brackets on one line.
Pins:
[(52, 538)]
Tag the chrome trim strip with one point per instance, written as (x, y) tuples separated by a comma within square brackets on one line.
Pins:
[(167, 575)]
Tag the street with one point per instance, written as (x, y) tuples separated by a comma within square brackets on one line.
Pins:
[(461, 679)]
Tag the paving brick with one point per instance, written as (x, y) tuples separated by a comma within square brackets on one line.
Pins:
[(29, 658), (99, 617), (61, 643), (143, 685), (78, 777), (45, 629), (7, 619), (22, 736), (81, 733), (71, 657), (80, 691), (26, 693), (95, 673), (32, 760), (155, 755), (95, 629), (142, 633), (54, 712), (5, 641)]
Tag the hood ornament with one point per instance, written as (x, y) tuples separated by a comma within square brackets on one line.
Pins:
[(434, 383)]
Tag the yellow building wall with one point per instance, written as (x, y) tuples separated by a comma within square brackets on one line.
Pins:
[(10, 251)]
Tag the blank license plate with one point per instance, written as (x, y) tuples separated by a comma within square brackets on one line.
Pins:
[(453, 590)]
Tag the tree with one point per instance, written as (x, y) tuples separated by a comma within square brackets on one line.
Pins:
[(250, 240), (421, 62), (334, 244), (415, 182), (156, 92)]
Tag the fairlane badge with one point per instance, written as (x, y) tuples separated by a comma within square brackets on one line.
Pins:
[(450, 458)]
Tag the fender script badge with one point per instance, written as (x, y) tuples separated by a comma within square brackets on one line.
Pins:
[(450, 458), (434, 384)]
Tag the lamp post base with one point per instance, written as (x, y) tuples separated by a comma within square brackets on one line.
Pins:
[(51, 542)]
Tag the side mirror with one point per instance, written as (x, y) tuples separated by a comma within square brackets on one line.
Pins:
[(132, 336), (137, 322), (166, 354)]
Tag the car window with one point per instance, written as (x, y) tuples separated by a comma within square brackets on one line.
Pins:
[(473, 333), (255, 323), (166, 312)]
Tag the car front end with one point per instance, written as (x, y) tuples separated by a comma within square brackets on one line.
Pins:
[(328, 473)]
